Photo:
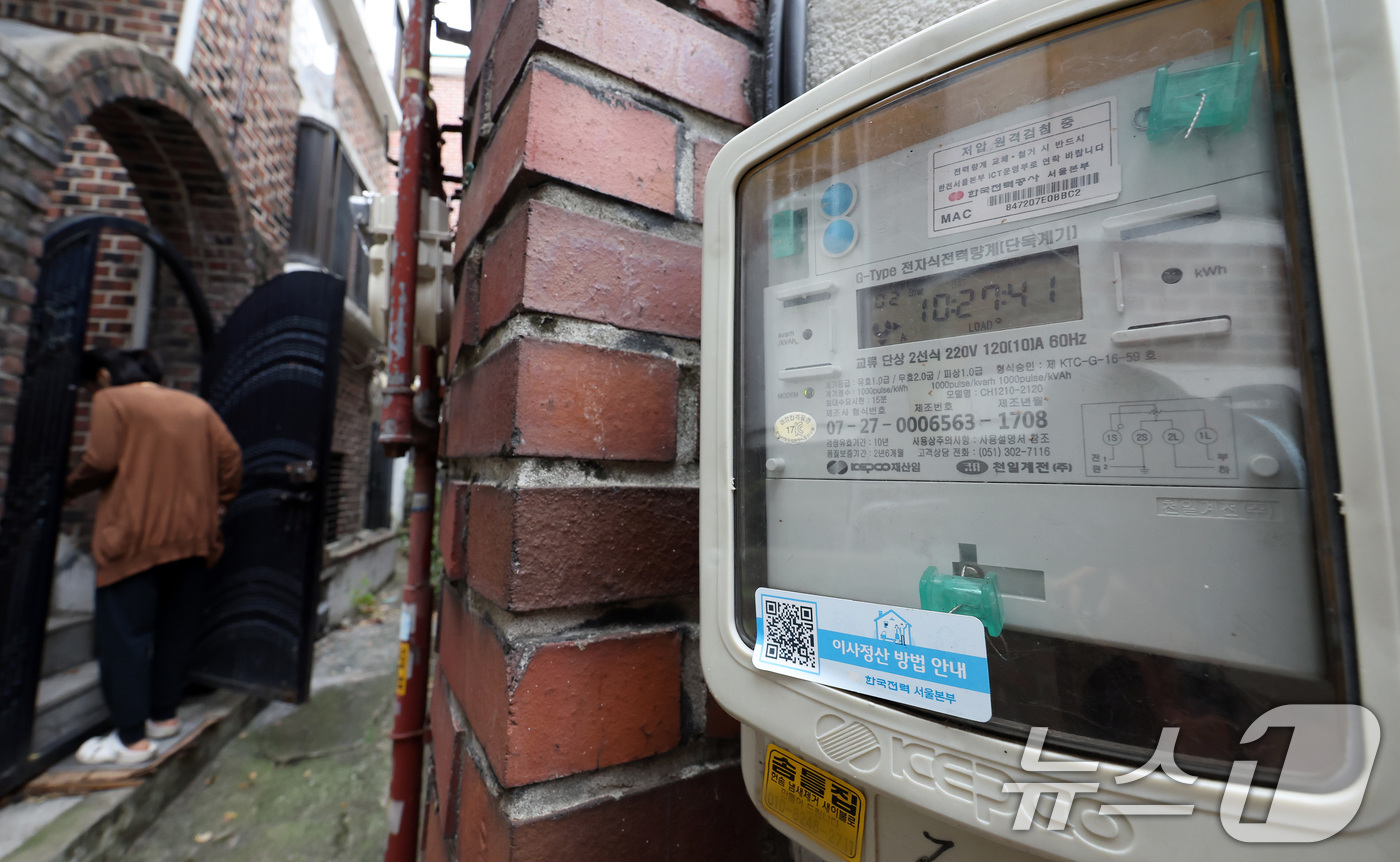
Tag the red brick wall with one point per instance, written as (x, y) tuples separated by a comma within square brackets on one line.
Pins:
[(570, 715), (92, 179), (153, 23), (243, 72), (350, 439), (364, 130)]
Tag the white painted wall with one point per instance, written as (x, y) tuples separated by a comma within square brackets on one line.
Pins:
[(841, 33), (378, 18), (315, 48)]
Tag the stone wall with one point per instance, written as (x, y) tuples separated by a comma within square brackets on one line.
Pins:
[(840, 34)]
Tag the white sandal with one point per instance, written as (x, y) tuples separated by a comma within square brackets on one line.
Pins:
[(109, 749), (161, 730)]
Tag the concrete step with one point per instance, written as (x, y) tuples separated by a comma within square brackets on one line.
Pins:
[(69, 703), (99, 827), (68, 641)]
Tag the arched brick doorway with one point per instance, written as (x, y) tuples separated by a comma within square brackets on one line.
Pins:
[(182, 176), (270, 373), (183, 183), (174, 149)]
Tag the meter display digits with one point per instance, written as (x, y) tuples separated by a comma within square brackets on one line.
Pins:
[(1028, 291), (1052, 342)]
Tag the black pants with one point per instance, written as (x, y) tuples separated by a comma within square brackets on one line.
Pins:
[(146, 629)]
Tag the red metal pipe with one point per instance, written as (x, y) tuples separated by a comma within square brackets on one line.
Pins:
[(405, 787), (396, 420)]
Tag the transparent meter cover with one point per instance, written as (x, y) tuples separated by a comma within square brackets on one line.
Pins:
[(1045, 315)]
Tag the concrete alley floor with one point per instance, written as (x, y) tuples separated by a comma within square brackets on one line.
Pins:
[(300, 783)]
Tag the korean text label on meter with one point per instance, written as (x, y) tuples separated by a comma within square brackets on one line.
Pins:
[(829, 810)]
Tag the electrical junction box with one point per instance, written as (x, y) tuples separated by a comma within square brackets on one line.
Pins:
[(1049, 438), (433, 315)]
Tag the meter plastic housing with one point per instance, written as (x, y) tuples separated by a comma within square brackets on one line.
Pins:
[(1114, 365)]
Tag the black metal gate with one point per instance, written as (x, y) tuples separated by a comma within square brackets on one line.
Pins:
[(272, 377), (39, 461), (271, 373)]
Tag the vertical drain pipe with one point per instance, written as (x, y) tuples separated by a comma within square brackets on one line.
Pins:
[(396, 420), (396, 434), (415, 632)]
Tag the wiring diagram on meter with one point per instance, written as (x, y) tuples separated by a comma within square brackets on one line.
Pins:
[(1174, 438)]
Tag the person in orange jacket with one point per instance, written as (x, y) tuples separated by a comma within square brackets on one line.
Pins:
[(167, 467)]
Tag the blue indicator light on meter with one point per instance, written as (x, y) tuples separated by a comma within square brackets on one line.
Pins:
[(838, 238), (838, 199)]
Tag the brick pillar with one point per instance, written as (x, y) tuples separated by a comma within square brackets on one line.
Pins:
[(570, 717), (30, 149)]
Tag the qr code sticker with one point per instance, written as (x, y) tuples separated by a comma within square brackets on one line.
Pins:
[(790, 633)]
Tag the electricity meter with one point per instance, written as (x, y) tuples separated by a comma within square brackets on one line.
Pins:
[(1045, 399)]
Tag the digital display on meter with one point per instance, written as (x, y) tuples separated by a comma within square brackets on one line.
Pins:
[(1028, 291), (1135, 462)]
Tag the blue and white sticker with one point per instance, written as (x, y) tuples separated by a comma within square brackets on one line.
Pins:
[(927, 659)]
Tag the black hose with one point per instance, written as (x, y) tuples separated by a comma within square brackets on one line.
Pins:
[(772, 57), (794, 51)]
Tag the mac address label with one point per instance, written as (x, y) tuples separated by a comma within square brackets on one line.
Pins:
[(1061, 162)]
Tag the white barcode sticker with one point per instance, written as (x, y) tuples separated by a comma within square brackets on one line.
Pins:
[(1060, 162), (931, 660)]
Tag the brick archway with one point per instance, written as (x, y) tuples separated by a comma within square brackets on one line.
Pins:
[(182, 170), (175, 150)]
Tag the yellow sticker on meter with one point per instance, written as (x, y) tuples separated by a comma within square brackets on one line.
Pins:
[(813, 800)]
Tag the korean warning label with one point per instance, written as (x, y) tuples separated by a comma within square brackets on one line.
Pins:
[(828, 809), (1060, 162)]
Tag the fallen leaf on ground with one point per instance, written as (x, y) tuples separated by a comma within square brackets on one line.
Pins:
[(203, 837), (252, 776), (306, 774), (211, 779), (243, 785), (230, 815)]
